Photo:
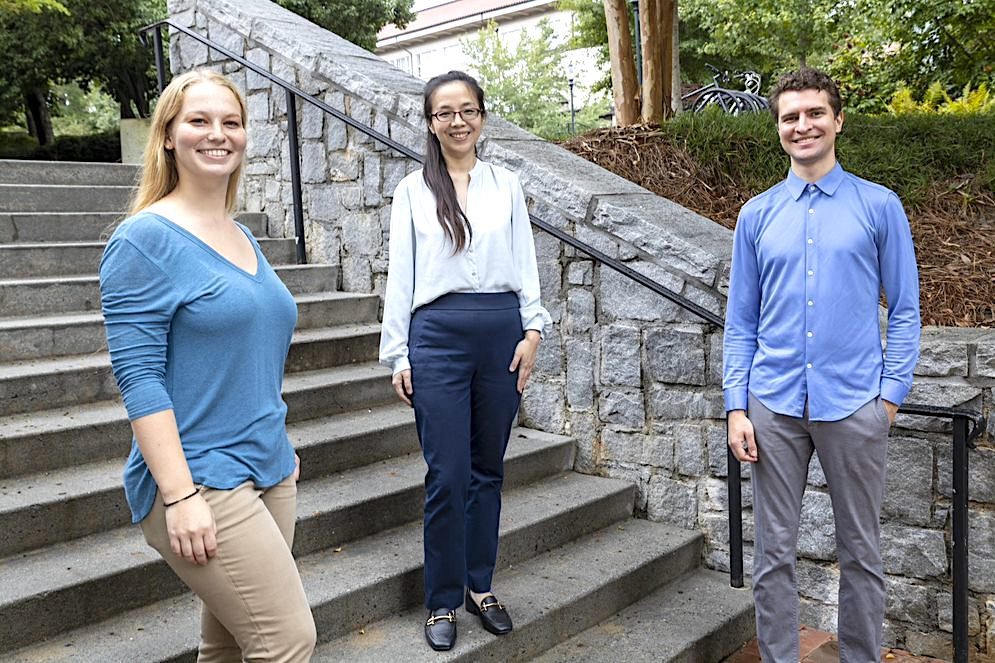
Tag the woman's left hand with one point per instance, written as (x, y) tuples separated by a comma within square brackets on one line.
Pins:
[(525, 357), (297, 467)]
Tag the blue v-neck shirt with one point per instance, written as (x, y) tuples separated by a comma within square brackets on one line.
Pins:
[(189, 331), (808, 266)]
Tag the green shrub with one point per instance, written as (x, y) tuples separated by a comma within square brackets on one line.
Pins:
[(105, 147), (908, 152), (936, 100)]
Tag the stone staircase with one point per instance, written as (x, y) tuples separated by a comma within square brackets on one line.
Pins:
[(77, 582)]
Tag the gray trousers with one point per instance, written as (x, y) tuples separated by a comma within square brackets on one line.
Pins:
[(853, 454)]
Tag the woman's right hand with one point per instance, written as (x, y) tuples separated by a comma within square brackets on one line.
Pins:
[(191, 529), (402, 385)]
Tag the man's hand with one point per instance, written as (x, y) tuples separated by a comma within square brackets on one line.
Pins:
[(741, 440), (891, 409)]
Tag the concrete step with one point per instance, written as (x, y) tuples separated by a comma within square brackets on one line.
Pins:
[(84, 226), (550, 597), (36, 384), (33, 296), (64, 197), (80, 582), (16, 171), (83, 333), (72, 258), (48, 440), (698, 618), (58, 226), (41, 384)]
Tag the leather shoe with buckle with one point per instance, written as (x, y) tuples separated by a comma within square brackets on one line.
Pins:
[(440, 629), (493, 615)]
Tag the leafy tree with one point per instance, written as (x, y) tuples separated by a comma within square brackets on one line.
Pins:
[(764, 35), (111, 54), (590, 31), (525, 84), (96, 43), (16, 6), (359, 21), (35, 48)]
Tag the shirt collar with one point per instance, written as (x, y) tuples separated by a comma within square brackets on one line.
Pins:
[(827, 184)]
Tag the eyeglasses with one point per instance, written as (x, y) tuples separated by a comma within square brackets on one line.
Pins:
[(467, 114)]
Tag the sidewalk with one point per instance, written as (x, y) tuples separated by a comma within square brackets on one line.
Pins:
[(821, 647)]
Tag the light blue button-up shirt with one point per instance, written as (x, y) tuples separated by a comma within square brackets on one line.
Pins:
[(808, 265)]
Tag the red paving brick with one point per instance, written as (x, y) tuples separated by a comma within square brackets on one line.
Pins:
[(821, 647)]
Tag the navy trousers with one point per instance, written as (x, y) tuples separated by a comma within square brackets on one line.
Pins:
[(465, 401)]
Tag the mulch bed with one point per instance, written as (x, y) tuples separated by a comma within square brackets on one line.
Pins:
[(953, 230)]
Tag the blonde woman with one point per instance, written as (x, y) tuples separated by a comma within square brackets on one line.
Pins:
[(198, 326)]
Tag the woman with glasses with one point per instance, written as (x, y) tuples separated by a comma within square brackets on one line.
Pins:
[(462, 323)]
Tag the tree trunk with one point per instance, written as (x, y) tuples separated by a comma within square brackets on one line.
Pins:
[(34, 102), (654, 45), (625, 89), (676, 105)]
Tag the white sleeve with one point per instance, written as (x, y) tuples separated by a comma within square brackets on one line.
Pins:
[(400, 289), (534, 316)]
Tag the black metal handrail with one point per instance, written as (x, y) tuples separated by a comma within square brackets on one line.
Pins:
[(963, 434)]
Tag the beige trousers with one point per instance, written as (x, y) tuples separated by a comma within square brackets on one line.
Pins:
[(254, 604)]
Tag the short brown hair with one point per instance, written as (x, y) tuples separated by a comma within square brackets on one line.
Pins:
[(805, 78)]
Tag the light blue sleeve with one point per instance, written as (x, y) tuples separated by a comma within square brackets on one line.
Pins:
[(900, 279), (739, 344), (138, 301)]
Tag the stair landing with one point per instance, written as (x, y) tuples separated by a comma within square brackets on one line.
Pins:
[(821, 647)]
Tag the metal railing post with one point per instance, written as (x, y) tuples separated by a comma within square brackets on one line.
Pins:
[(160, 68), (734, 488), (295, 176), (960, 574)]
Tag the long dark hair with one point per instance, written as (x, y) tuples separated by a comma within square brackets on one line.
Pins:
[(452, 219)]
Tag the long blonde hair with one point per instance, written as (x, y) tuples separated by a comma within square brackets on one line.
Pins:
[(159, 175)]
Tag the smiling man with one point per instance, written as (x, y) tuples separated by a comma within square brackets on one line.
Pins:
[(804, 368)]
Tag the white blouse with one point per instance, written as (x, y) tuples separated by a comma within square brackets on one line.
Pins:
[(499, 258)]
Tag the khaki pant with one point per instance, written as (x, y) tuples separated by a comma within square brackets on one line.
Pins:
[(254, 603)]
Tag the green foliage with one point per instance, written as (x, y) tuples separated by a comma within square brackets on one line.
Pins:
[(35, 6), (524, 84), (906, 153), (97, 44), (763, 35), (359, 21), (936, 100), (589, 30), (77, 112), (103, 147)]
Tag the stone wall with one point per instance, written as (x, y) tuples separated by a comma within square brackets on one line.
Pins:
[(634, 378)]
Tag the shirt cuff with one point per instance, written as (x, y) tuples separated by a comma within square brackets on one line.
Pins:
[(893, 390), (401, 364), (736, 398)]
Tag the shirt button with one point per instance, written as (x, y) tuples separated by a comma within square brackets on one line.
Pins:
[(811, 187), (808, 365), (810, 272), (810, 334), (811, 303), (810, 240), (811, 211)]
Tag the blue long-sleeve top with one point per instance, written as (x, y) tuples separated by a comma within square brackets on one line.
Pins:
[(189, 331), (808, 265)]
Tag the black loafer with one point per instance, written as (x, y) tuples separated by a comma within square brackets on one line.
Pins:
[(440, 629), (492, 614)]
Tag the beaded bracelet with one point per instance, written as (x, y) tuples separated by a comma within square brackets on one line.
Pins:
[(169, 504)]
